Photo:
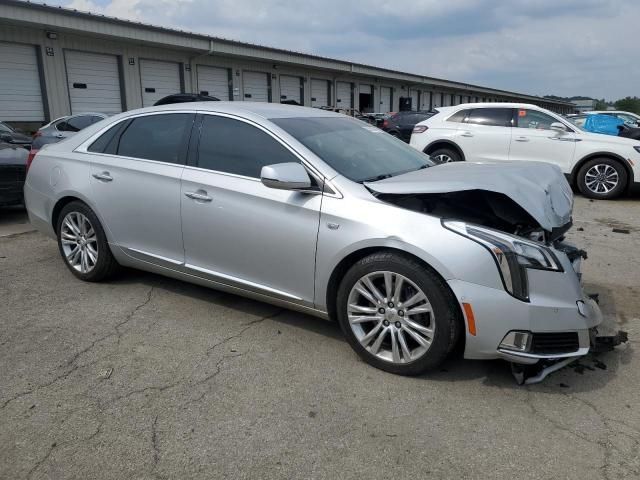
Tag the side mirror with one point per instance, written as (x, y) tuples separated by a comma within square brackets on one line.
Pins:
[(558, 127), (285, 176), (6, 137)]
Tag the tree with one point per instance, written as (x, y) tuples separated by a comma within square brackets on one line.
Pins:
[(629, 104), (601, 104)]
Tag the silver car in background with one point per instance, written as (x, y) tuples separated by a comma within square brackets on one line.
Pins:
[(320, 213), (64, 127)]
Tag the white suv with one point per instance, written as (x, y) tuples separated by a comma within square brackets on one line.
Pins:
[(601, 166)]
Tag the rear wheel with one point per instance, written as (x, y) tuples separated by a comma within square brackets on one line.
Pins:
[(445, 155), (396, 314), (83, 243), (602, 178)]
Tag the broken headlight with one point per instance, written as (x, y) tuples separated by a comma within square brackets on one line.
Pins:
[(513, 255)]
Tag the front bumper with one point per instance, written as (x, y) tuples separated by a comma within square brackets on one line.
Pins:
[(553, 308)]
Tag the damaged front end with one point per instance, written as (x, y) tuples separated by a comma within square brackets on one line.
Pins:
[(521, 218)]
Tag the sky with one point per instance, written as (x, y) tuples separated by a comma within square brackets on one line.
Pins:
[(539, 47)]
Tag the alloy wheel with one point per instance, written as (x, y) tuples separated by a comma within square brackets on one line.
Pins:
[(391, 317), (443, 158), (601, 178), (79, 242)]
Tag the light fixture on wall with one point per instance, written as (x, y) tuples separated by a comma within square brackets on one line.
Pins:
[(52, 35)]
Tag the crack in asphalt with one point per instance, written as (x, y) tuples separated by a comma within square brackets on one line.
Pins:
[(246, 326), (154, 442), (72, 361), (42, 460)]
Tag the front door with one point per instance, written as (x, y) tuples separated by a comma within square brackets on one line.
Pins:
[(238, 231), (135, 178), (533, 140)]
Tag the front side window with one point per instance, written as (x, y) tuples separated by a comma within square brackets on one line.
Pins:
[(232, 146), (534, 119), (358, 151), (491, 117), (156, 137)]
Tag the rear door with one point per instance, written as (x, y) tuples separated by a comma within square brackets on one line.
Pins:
[(485, 134), (238, 231), (534, 140), (158, 80), (135, 176)]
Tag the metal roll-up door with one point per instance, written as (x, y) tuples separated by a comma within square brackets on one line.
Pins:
[(291, 89), (94, 82), (385, 99), (214, 81), (256, 86), (344, 97), (20, 91), (159, 79), (415, 99), (319, 93)]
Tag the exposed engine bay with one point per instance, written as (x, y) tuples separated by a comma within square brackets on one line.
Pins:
[(482, 207)]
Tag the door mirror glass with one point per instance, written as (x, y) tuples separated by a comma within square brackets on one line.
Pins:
[(558, 127), (285, 176)]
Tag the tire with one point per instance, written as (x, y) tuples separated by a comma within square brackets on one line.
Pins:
[(443, 320), (602, 178), (98, 262), (445, 155)]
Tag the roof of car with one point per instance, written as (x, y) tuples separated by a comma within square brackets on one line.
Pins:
[(488, 105), (264, 110)]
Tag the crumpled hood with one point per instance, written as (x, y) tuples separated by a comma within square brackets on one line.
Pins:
[(539, 188)]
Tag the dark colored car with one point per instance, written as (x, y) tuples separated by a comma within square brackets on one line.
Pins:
[(401, 124), (13, 165), (64, 127), (9, 134), (185, 97)]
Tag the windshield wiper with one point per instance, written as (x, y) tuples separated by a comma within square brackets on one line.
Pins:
[(376, 178)]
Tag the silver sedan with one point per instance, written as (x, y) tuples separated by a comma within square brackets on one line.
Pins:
[(318, 212)]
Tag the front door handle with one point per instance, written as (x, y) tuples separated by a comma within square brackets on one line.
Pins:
[(466, 134), (201, 197), (522, 139), (103, 177)]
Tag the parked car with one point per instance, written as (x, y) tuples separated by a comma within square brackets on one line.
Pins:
[(600, 166), (606, 125), (64, 127), (311, 210), (185, 97), (13, 161), (630, 118), (9, 134), (401, 124)]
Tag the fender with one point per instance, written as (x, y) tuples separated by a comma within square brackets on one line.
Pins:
[(449, 143)]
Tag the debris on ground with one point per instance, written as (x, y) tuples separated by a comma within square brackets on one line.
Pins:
[(620, 230), (105, 374)]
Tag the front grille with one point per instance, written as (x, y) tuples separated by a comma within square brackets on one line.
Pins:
[(560, 342)]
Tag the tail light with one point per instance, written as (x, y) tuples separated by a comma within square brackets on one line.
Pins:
[(385, 124), (37, 134), (420, 129), (32, 154)]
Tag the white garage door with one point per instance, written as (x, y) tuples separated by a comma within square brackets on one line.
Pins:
[(424, 100), (414, 99), (385, 99), (158, 79), (343, 95), (94, 82), (20, 93), (256, 86), (291, 89), (214, 81), (319, 93)]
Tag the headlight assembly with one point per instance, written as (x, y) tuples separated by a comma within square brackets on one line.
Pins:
[(513, 255)]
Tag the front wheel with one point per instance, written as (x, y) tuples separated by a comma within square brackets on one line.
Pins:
[(445, 155), (397, 315), (602, 178)]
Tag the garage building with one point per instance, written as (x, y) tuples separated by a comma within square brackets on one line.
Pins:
[(56, 61)]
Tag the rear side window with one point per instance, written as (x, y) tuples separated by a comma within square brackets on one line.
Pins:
[(231, 146), (458, 116), (493, 117), (75, 124)]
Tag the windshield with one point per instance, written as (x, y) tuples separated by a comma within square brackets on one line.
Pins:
[(354, 149), (577, 122)]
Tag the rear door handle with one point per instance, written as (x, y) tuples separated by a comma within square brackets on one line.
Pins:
[(466, 134), (103, 177), (201, 197), (522, 139)]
